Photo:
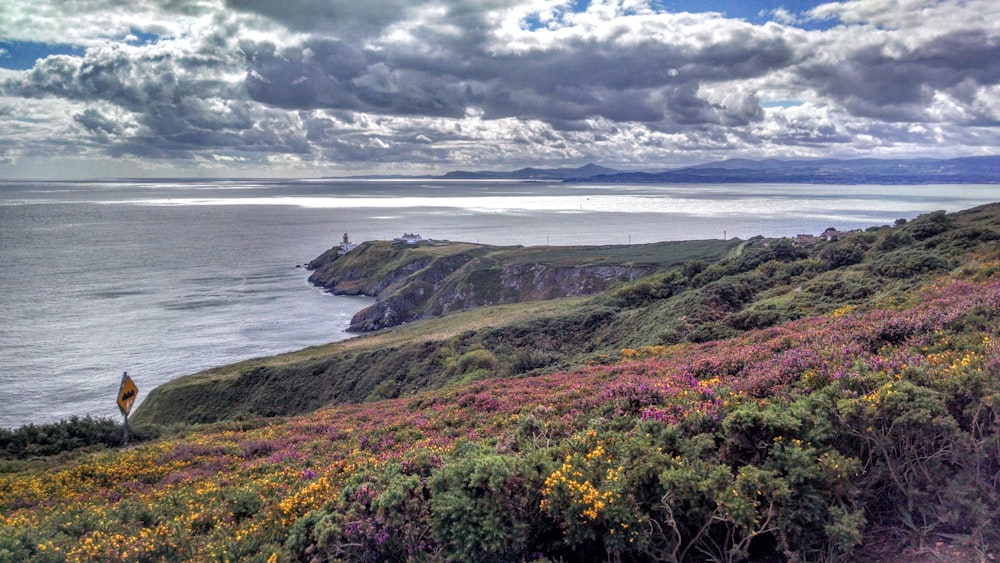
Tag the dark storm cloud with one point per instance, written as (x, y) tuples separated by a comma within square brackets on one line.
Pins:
[(135, 79), (635, 64), (899, 84), (305, 77), (563, 82), (178, 103), (97, 123), (347, 17), (334, 75)]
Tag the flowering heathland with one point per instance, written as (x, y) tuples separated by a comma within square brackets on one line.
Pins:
[(797, 439)]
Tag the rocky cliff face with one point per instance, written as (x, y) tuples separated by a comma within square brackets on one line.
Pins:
[(466, 289), (368, 270), (527, 282), (434, 279)]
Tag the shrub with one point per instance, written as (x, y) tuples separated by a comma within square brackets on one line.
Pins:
[(750, 432), (775, 271), (710, 331), (907, 263), (929, 225), (484, 507), (961, 240), (600, 494), (913, 446), (835, 289), (692, 268), (525, 360), (843, 253), (381, 515), (476, 360), (754, 318), (893, 239), (730, 294), (648, 288), (757, 251), (63, 436)]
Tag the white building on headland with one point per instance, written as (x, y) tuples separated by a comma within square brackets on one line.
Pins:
[(346, 246), (408, 238)]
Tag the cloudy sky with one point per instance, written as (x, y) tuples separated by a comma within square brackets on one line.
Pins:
[(105, 88)]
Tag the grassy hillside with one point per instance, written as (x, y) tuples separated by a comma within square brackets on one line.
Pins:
[(695, 297), (434, 278), (506, 340), (394, 362), (806, 402)]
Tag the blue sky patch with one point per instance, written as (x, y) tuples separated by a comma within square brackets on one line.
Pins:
[(781, 104), (21, 55), (139, 37), (757, 13)]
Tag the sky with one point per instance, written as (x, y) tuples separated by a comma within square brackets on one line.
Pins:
[(308, 88)]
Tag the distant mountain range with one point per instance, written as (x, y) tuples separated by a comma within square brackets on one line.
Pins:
[(581, 173), (967, 170)]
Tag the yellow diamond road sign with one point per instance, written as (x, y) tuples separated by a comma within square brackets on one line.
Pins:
[(126, 394)]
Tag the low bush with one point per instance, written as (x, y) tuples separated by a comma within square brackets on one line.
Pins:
[(907, 263), (66, 435), (928, 225), (649, 288), (841, 253)]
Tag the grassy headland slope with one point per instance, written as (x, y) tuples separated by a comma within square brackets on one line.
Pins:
[(432, 279), (851, 412), (684, 296)]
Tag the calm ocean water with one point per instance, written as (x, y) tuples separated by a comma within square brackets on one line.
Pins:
[(163, 279)]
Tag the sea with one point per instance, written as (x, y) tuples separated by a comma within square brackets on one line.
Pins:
[(162, 279)]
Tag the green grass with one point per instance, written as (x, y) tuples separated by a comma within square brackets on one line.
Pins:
[(353, 368)]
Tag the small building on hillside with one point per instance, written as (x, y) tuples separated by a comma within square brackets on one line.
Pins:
[(346, 246), (408, 238), (833, 234)]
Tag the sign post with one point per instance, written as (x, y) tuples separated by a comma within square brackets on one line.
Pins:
[(127, 392)]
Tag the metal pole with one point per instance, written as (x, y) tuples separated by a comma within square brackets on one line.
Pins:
[(125, 431)]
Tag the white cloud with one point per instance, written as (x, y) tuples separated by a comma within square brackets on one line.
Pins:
[(94, 22), (315, 84), (781, 15)]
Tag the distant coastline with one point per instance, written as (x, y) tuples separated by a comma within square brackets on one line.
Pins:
[(966, 170)]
